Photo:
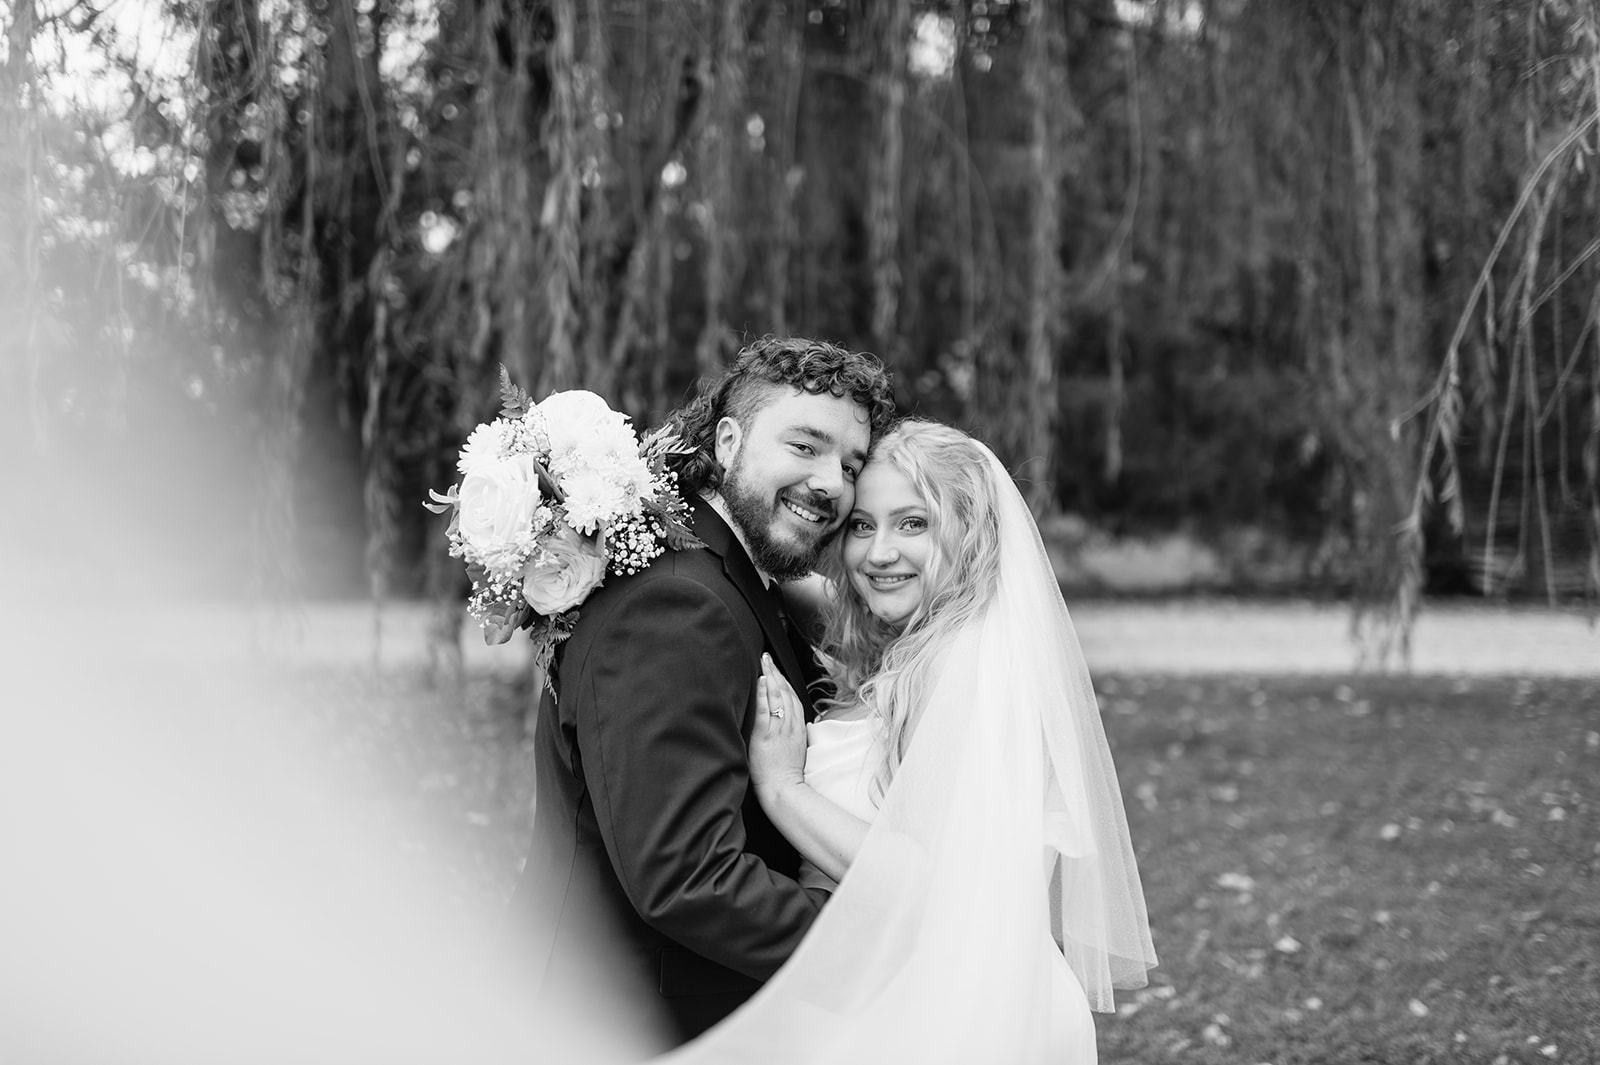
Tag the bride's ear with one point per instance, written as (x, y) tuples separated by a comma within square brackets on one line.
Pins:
[(730, 435)]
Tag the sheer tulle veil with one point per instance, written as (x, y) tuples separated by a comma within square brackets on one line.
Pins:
[(997, 890)]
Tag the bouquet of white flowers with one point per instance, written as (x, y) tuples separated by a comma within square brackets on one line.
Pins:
[(552, 496)]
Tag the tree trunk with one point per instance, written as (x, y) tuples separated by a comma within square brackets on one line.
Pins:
[(1591, 470), (607, 331), (888, 33), (19, 237), (1043, 86), (786, 43), (1116, 400), (721, 136), (257, 299), (964, 352), (560, 218)]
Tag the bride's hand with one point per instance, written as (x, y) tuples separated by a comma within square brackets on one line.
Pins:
[(778, 740)]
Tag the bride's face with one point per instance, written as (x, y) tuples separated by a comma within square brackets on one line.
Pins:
[(889, 543)]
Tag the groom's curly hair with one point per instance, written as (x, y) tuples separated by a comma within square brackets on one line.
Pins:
[(763, 368)]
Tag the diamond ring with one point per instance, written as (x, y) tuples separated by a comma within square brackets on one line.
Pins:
[(776, 712)]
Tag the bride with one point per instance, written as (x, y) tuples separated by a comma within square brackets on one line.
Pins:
[(956, 792)]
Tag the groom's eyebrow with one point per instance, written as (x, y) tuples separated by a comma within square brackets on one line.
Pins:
[(822, 436)]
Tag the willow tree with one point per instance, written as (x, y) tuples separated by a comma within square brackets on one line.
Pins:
[(510, 42), (1346, 166), (257, 298), (888, 32), (1248, 227), (720, 139), (783, 42), (560, 258), (1366, 325), (1044, 84), (19, 220), (1521, 368)]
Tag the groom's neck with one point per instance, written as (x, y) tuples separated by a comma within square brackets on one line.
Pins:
[(720, 505)]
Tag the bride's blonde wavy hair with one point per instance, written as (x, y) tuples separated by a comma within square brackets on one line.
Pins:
[(888, 672)]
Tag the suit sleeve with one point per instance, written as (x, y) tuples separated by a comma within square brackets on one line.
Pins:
[(668, 679)]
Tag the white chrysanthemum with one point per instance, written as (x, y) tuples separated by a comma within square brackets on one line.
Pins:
[(593, 498), (486, 447), (612, 450), (505, 561), (631, 471), (624, 469)]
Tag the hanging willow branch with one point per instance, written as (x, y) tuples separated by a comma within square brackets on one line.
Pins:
[(786, 52), (1442, 435), (506, 161), (1045, 88), (560, 218), (888, 27), (719, 137), (378, 490)]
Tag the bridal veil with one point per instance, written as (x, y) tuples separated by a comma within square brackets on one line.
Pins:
[(997, 889)]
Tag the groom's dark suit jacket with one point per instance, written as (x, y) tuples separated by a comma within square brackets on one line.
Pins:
[(646, 825)]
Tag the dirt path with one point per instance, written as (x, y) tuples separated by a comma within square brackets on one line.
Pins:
[(1229, 637), (1182, 637)]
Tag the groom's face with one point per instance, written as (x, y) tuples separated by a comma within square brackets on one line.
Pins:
[(790, 475)]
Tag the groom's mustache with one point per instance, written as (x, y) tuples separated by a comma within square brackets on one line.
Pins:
[(814, 501)]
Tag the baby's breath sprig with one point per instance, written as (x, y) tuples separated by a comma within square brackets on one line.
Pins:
[(633, 542), (528, 435)]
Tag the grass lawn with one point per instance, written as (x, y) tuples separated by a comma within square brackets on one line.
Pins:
[(1338, 869), (1363, 869)]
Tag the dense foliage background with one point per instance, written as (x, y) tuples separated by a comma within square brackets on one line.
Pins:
[(1324, 269)]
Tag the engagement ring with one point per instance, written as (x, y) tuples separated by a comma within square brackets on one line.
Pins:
[(776, 713)]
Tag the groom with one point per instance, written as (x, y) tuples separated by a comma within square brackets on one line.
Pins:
[(647, 830)]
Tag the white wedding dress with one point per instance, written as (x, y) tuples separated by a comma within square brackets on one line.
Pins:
[(995, 899), (842, 754)]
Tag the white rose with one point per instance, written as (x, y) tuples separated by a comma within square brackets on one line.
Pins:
[(583, 430), (575, 406), (568, 569), (497, 503)]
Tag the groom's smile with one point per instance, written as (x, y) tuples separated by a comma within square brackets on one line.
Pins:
[(815, 512)]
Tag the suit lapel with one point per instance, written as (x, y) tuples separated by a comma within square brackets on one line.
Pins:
[(764, 602)]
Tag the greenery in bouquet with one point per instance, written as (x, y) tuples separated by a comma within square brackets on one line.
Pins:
[(553, 496)]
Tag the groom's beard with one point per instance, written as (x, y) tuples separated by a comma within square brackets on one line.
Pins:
[(783, 558)]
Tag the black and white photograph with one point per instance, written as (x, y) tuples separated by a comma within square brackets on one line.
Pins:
[(800, 531)]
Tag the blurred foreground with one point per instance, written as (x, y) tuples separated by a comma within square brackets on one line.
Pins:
[(204, 867)]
